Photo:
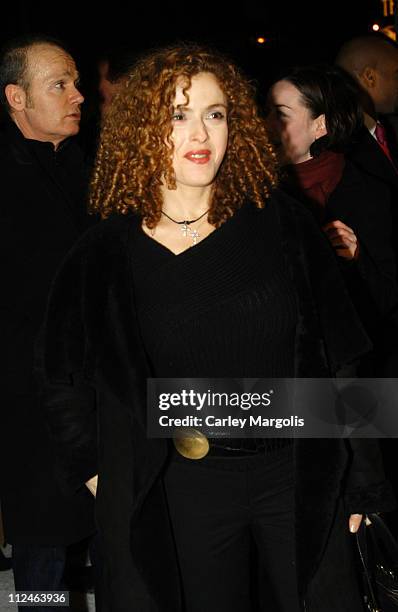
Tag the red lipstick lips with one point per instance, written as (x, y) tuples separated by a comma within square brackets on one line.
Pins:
[(198, 157)]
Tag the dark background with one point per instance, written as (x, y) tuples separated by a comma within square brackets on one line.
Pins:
[(296, 32)]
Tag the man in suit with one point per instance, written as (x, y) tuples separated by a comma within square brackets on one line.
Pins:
[(373, 61), (42, 213)]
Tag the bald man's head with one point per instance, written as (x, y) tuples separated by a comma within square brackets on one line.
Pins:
[(373, 61)]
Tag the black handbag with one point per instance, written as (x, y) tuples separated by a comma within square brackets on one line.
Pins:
[(378, 554)]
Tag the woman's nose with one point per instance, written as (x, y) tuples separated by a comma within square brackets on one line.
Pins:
[(199, 131)]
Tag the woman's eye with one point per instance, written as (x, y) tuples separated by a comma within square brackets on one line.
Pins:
[(60, 85), (216, 115), (177, 117)]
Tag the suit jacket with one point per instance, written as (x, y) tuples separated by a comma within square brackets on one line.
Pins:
[(95, 370), (42, 213), (368, 156)]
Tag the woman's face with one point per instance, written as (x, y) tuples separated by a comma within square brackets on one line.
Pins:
[(200, 131), (291, 127)]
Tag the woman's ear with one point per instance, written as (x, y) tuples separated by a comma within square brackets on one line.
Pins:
[(320, 126)]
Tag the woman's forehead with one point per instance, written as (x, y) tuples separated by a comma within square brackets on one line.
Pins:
[(203, 86)]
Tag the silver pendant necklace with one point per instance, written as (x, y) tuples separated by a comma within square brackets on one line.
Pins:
[(186, 230)]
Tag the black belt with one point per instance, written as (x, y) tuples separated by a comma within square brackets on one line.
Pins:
[(193, 444), (247, 448)]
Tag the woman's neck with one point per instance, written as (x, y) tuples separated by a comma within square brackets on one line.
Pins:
[(186, 202)]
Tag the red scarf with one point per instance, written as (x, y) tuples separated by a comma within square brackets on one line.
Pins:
[(319, 176)]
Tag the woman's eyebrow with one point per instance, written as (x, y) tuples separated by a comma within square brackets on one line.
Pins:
[(188, 108)]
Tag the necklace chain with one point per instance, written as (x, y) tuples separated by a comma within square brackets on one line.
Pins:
[(185, 229), (184, 222)]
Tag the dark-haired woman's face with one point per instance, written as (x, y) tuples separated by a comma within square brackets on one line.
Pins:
[(291, 126)]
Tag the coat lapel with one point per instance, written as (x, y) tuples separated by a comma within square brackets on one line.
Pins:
[(367, 155)]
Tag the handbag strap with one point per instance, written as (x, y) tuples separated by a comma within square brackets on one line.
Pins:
[(388, 540), (363, 555)]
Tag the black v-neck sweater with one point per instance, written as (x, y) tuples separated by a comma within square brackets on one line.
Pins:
[(225, 307)]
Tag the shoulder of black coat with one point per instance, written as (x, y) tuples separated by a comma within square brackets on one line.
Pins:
[(369, 186), (111, 230)]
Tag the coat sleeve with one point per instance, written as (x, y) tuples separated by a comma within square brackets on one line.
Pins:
[(366, 488), (65, 372)]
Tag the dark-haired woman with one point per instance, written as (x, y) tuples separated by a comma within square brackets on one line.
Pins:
[(202, 269), (314, 116)]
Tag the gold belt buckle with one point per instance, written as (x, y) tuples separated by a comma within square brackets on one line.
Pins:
[(191, 443)]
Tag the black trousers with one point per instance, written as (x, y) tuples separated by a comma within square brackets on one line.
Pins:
[(38, 569), (225, 512), (59, 568)]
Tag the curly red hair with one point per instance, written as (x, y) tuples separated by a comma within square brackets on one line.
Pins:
[(135, 151)]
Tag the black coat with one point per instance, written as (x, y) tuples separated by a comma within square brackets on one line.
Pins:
[(96, 368), (368, 156), (364, 204), (42, 213)]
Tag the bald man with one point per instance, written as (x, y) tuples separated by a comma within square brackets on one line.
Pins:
[(42, 211), (373, 61)]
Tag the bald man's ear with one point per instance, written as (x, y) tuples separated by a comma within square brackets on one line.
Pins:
[(16, 97), (368, 78)]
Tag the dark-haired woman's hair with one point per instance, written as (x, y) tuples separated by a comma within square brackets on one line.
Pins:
[(331, 91)]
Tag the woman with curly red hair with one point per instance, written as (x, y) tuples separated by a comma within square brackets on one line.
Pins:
[(202, 268), (134, 167)]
